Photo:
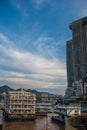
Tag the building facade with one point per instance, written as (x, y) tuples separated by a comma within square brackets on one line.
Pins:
[(76, 50), (45, 97), (70, 65), (19, 105)]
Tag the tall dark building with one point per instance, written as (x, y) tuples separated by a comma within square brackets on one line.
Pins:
[(69, 59), (77, 51)]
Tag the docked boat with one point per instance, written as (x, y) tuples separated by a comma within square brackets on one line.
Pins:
[(19, 106), (41, 113), (64, 112)]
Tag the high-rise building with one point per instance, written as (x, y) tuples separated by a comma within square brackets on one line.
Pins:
[(69, 59), (77, 51)]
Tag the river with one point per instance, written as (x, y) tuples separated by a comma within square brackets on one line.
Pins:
[(41, 123)]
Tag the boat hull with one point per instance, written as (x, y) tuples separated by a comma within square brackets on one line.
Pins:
[(9, 117), (57, 120), (42, 114)]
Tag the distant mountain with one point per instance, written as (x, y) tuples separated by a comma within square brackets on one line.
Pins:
[(18, 89), (5, 88), (38, 94), (35, 92)]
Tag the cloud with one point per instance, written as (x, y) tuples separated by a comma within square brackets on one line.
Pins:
[(33, 84), (39, 4), (54, 90), (40, 1), (30, 62), (9, 74), (48, 46), (4, 38), (25, 68), (21, 6)]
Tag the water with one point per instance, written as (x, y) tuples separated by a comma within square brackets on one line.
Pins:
[(41, 123)]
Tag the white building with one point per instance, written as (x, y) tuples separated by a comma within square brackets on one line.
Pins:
[(19, 103)]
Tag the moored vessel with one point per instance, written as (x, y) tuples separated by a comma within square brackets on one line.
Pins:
[(64, 112), (19, 106), (41, 113)]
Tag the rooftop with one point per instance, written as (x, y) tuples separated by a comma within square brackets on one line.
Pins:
[(84, 21)]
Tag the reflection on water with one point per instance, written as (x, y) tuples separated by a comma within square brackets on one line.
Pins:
[(40, 124)]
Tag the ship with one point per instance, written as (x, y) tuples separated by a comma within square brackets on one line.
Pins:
[(41, 113), (19, 106), (64, 112)]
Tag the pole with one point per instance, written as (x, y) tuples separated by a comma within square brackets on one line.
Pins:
[(46, 121), (83, 86)]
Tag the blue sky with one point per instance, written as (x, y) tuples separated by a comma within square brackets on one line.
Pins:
[(33, 35)]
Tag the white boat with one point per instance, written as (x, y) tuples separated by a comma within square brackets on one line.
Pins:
[(64, 112)]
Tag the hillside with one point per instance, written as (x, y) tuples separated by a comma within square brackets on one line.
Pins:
[(5, 88)]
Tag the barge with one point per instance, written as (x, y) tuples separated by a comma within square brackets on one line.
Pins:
[(19, 106)]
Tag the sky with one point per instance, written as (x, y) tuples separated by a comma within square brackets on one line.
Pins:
[(33, 35)]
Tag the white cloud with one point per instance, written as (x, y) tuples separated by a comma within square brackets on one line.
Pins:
[(10, 74), (30, 62), (4, 38), (25, 68), (47, 46), (34, 84)]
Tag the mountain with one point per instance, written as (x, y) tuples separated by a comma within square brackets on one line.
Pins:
[(35, 92), (38, 94), (5, 88)]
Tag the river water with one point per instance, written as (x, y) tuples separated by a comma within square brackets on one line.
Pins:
[(41, 123)]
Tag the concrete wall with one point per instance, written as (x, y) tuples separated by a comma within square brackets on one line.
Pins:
[(68, 124), (74, 120)]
